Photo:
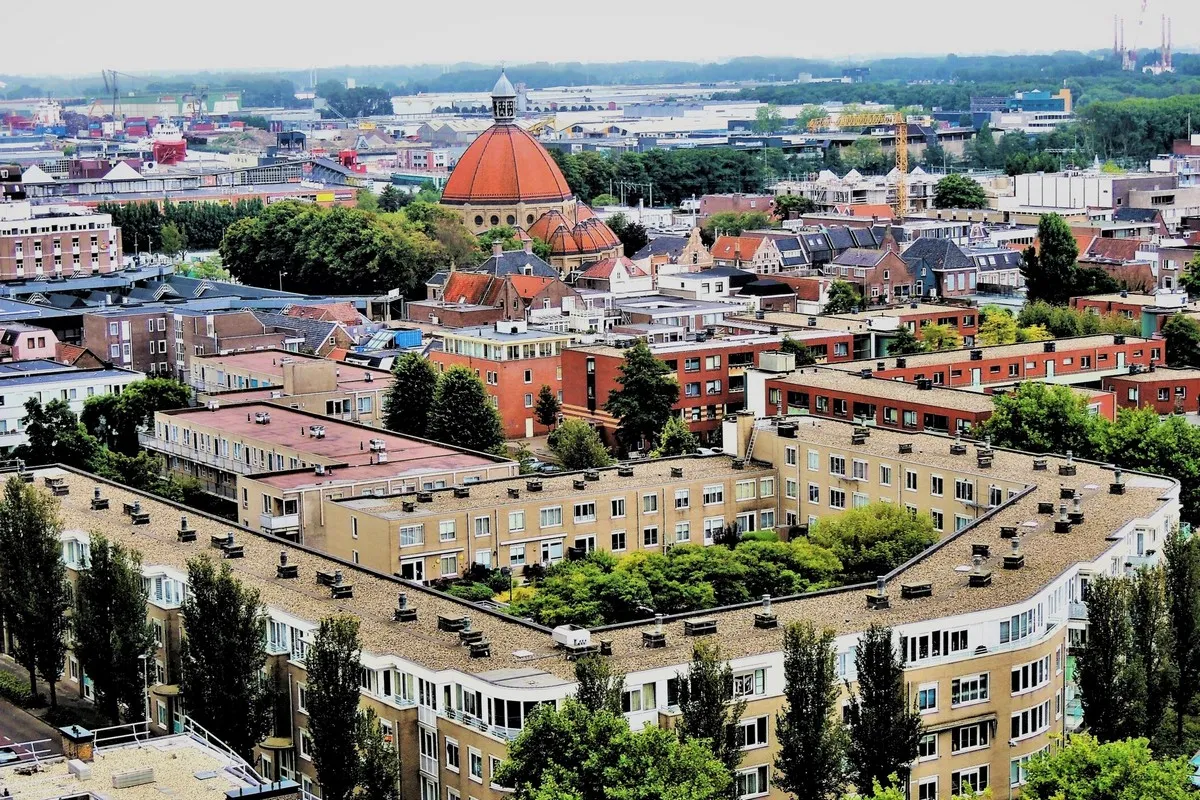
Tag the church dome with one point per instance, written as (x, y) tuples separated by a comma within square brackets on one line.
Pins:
[(506, 164)]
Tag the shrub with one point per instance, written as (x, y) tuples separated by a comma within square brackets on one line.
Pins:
[(760, 536), (14, 689), (473, 592)]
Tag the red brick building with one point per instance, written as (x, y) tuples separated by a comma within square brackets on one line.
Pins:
[(711, 376), (35, 243), (880, 275), (1148, 310), (1167, 391), (514, 363)]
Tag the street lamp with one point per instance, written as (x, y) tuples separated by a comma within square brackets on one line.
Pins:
[(146, 686)]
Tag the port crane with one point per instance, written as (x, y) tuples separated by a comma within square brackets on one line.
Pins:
[(861, 120)]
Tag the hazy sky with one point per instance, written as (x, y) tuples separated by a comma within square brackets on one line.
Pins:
[(84, 36)]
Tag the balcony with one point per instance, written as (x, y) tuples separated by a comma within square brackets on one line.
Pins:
[(282, 523), (1078, 610), (150, 442), (429, 766), (1133, 563), (427, 716)]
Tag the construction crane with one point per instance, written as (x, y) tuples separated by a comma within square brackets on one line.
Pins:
[(896, 118)]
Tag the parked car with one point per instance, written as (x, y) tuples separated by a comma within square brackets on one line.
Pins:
[(8, 756)]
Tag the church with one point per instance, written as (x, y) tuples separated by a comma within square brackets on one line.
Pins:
[(506, 177)]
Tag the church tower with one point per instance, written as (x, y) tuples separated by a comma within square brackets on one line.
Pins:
[(504, 100)]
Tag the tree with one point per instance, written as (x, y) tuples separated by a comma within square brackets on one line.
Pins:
[(940, 337), (54, 435), (905, 343), (998, 327), (804, 356), (409, 400), (958, 191), (767, 119), (1103, 671), (1148, 654), (731, 223), (793, 206), (709, 711), (110, 627), (332, 664), (600, 686), (1190, 279), (1042, 419), (1086, 769), (577, 446), (811, 763), (174, 241), (34, 593), (605, 199), (116, 419), (633, 235), (391, 199), (844, 297), (379, 762), (1049, 269), (462, 413), (884, 726), (1182, 584), (643, 403), (222, 656), (547, 407), (366, 200), (676, 439), (874, 539), (573, 753), (1182, 337)]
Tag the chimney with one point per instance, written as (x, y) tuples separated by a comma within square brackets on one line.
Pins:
[(77, 743), (497, 247), (878, 598), (528, 246)]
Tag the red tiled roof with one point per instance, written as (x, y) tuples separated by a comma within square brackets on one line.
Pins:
[(1124, 250), (527, 286), (68, 353), (731, 247), (343, 312), (866, 210), (466, 287), (505, 165), (604, 269)]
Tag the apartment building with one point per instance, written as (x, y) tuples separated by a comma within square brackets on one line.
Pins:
[(988, 619), (294, 380), (56, 241), (1075, 360), (304, 457), (514, 363), (199, 333), (20, 342), (136, 337), (1167, 391), (1150, 311), (45, 380), (710, 372)]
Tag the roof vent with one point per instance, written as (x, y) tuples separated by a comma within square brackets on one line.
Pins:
[(316, 431), (1045, 507), (958, 448), (480, 649), (901, 363), (403, 613), (1063, 523), (377, 445), (579, 483), (262, 418), (606, 647), (222, 541), (1049, 347), (533, 485), (1008, 531), (424, 497), (738, 463), (99, 503), (906, 448), (625, 472), (1039, 463), (880, 366), (1068, 468), (655, 639), (285, 570), (1118, 484), (1076, 512), (699, 627), (878, 599), (185, 532), (984, 459), (1119, 338), (925, 384), (676, 472), (979, 575), (981, 549), (865, 372), (766, 618), (514, 492), (1015, 559), (1065, 492), (136, 515), (462, 491), (319, 469), (912, 591), (408, 506), (857, 438), (591, 475), (453, 624), (977, 355)]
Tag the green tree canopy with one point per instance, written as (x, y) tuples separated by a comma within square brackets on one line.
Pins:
[(1050, 270), (804, 355), (547, 407), (409, 400), (332, 665), (709, 712), (844, 297), (1042, 418), (998, 327), (940, 337), (958, 191), (577, 446), (905, 343), (1085, 769), (1182, 336), (811, 763), (632, 234), (645, 397), (884, 726), (600, 686), (793, 206), (676, 439), (462, 414), (874, 539)]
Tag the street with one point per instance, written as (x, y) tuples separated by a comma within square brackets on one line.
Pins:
[(17, 727)]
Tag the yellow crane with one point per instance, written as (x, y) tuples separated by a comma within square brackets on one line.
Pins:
[(865, 120)]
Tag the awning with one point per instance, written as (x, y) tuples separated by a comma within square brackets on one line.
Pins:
[(276, 743), (165, 689), (958, 723)]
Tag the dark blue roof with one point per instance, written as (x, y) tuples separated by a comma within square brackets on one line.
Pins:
[(514, 262), (671, 246)]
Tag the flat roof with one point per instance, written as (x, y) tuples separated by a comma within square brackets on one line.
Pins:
[(344, 442), (686, 346), (1135, 299), (493, 335), (905, 311), (941, 357), (887, 389), (271, 361), (1160, 374)]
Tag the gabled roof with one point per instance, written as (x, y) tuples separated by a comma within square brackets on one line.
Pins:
[(604, 269), (671, 246), (517, 262), (315, 332), (466, 287), (731, 247), (122, 172), (1127, 214), (860, 257), (528, 286), (937, 254), (343, 312), (840, 237), (1123, 250), (863, 237), (35, 175)]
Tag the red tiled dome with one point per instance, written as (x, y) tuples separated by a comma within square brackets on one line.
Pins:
[(605, 232), (562, 243), (589, 238), (546, 224), (505, 165)]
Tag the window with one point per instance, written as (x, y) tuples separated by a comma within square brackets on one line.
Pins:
[(528, 400), (640, 698), (516, 555), (995, 496), (475, 760), (814, 460), (452, 754), (910, 480), (744, 490), (516, 521), (483, 526), (550, 517), (649, 503), (712, 362), (712, 526), (814, 493), (935, 485), (927, 746), (305, 745), (927, 789), (790, 489), (714, 495), (968, 781), (837, 465), (1031, 721), (585, 512), (446, 532), (411, 534), (885, 475), (766, 488), (683, 531), (750, 683), (751, 733), (939, 520), (964, 490), (837, 498), (650, 536), (1018, 627), (1029, 676), (752, 782), (682, 499), (618, 507), (1016, 771), (969, 689), (927, 698), (618, 540), (890, 415), (712, 387), (691, 364), (691, 389), (970, 737)]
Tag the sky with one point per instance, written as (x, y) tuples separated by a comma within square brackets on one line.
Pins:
[(71, 37)]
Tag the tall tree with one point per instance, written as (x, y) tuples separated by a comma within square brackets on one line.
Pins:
[(1086, 768), (804, 355), (811, 763), (111, 630), (844, 297), (1149, 684), (648, 391), (1182, 336), (378, 759), (905, 343), (547, 407), (407, 404), (958, 191), (633, 235), (577, 446), (1103, 670), (34, 593), (884, 726), (1049, 269), (222, 656), (390, 199), (1182, 584), (793, 206), (675, 439), (709, 711), (1042, 418), (463, 414), (940, 337), (600, 686), (998, 327), (332, 664)]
